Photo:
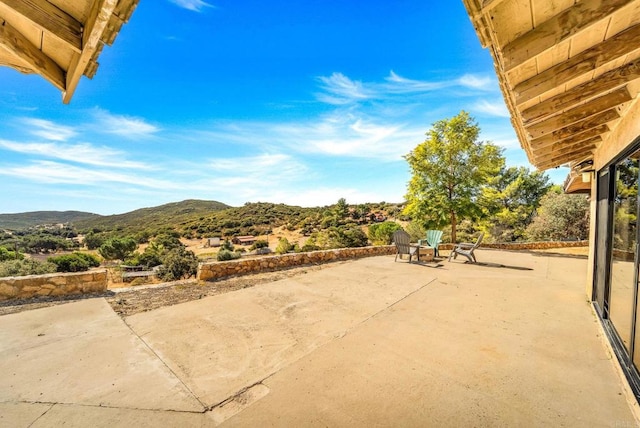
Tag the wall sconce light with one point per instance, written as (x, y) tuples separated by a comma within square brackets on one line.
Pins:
[(586, 177)]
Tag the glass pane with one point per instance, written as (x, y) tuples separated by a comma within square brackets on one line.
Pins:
[(622, 303)]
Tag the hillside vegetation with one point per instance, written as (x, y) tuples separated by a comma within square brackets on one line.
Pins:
[(35, 218)]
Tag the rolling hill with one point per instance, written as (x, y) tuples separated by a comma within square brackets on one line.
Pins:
[(20, 221)]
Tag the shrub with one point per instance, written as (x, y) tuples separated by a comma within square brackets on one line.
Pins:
[(118, 249), (177, 264), (6, 254), (283, 246), (224, 255), (74, 262), (25, 267), (381, 233), (260, 243)]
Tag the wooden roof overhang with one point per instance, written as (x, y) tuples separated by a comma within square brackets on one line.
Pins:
[(569, 71), (59, 39)]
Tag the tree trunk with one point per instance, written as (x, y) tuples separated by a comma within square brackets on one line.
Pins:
[(453, 227)]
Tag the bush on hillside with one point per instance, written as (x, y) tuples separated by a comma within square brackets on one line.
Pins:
[(177, 264), (226, 255), (74, 262), (25, 267)]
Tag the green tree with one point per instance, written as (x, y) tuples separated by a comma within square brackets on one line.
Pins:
[(118, 248), (560, 217), (510, 200), (283, 246), (93, 241), (178, 263), (25, 267), (6, 254), (448, 172), (381, 233)]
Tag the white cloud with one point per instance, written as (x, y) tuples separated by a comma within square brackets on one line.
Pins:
[(193, 5), (79, 153), (125, 126), (401, 85), (48, 130), (342, 90), (61, 173), (495, 108), (476, 81)]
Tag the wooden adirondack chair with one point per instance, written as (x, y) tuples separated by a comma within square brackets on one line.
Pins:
[(401, 239), (432, 239), (466, 249)]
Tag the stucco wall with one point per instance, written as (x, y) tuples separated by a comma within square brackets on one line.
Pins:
[(55, 284)]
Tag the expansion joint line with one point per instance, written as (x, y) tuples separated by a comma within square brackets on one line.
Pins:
[(204, 406)]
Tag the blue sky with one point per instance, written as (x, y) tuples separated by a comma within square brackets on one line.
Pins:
[(243, 101)]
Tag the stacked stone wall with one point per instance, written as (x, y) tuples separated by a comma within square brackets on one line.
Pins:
[(216, 270), (55, 284)]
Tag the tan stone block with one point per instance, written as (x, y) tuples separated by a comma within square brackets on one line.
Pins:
[(7, 290)]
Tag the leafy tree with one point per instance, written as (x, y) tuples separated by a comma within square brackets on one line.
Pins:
[(381, 233), (416, 231), (448, 172), (224, 255), (178, 263), (118, 248), (560, 217), (25, 267), (93, 241), (510, 200), (74, 262), (337, 237)]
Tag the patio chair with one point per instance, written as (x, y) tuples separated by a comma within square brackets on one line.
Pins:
[(432, 239), (466, 249), (401, 239)]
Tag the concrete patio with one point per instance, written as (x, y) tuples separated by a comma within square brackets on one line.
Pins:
[(511, 341)]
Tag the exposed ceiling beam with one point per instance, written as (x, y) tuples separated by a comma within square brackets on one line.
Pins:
[(100, 14), (51, 19), (13, 41), (603, 83), (542, 144), (549, 33), (583, 125), (553, 152), (569, 157), (581, 112), (584, 62)]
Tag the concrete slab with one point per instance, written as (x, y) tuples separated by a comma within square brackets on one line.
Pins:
[(14, 415), (222, 344), (71, 416), (478, 347), (83, 353)]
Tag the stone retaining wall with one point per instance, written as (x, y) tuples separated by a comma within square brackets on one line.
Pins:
[(216, 270), (54, 284)]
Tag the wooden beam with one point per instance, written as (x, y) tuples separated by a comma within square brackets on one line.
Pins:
[(50, 19), (96, 23), (553, 152), (561, 160), (581, 112), (16, 43), (603, 83), (584, 62), (583, 125), (557, 29), (543, 144)]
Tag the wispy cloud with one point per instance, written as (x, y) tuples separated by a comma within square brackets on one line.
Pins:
[(193, 5), (77, 153), (339, 89), (492, 108), (62, 173), (48, 130), (476, 82), (125, 126)]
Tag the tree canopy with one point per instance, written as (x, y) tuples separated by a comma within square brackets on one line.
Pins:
[(448, 171)]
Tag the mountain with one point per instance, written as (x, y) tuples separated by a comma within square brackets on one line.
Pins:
[(35, 218), (164, 216)]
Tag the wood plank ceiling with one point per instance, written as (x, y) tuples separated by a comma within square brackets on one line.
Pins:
[(569, 70), (60, 40)]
